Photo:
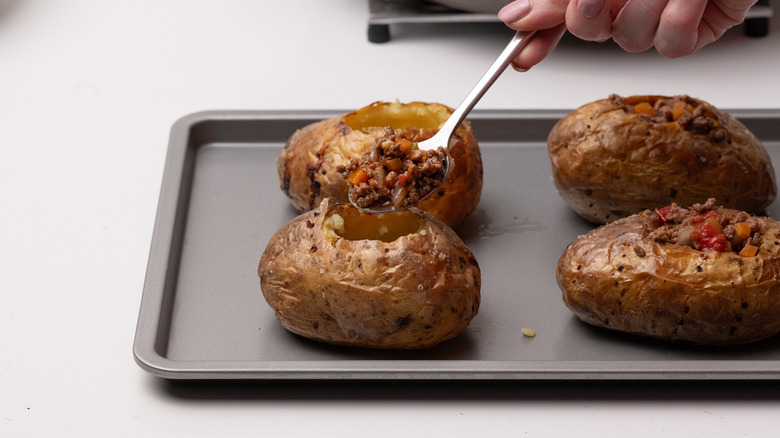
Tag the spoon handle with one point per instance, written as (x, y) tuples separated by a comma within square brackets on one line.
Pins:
[(499, 65)]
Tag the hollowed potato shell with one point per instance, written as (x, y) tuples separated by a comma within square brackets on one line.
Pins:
[(307, 164), (393, 281), (608, 164), (614, 278)]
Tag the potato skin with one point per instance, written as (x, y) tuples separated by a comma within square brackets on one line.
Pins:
[(307, 164), (614, 278), (411, 293), (608, 163)]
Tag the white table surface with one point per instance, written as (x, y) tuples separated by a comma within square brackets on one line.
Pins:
[(88, 92)]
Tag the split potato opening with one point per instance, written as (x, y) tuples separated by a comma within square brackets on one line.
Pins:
[(349, 223), (397, 116)]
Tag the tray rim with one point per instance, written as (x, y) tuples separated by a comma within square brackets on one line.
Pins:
[(173, 195)]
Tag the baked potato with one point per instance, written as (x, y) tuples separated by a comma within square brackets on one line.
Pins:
[(309, 163), (400, 280), (701, 275), (618, 156)]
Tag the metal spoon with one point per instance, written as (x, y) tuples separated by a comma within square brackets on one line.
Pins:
[(442, 137)]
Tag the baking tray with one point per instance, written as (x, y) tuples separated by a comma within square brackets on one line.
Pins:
[(202, 314)]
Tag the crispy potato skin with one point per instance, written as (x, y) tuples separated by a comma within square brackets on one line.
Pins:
[(414, 292), (608, 163), (307, 164), (614, 278)]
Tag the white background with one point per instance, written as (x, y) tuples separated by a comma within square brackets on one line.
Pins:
[(88, 92)]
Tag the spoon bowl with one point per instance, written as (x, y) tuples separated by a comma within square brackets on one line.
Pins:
[(448, 163)]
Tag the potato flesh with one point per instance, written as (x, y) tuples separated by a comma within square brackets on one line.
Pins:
[(352, 224), (397, 116)]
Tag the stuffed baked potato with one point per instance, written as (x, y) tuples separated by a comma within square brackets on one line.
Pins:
[(399, 280), (309, 164), (702, 275), (618, 156)]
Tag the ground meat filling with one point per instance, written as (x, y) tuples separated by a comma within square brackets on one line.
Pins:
[(394, 173), (690, 114), (701, 227)]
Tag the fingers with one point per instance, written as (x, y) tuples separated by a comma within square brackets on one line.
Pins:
[(677, 33), (674, 27), (720, 16), (589, 20), (538, 48), (669, 25), (635, 25)]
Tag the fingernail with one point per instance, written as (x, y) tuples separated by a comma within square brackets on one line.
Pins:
[(590, 8), (514, 11), (519, 69)]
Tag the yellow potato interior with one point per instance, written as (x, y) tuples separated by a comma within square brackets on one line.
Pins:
[(347, 222), (398, 116)]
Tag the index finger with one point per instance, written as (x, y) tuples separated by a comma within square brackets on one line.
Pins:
[(527, 15), (542, 44), (547, 17)]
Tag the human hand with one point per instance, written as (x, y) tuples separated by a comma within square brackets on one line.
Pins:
[(674, 27)]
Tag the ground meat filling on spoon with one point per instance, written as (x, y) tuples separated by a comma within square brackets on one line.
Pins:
[(394, 173)]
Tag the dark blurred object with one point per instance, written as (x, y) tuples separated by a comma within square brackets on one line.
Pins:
[(383, 13), (481, 6), (757, 19)]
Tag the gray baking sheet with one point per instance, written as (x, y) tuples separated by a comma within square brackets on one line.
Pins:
[(203, 316)]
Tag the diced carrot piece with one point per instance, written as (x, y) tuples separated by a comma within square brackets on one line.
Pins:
[(644, 108), (678, 110), (742, 229), (404, 144), (358, 176), (749, 251)]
